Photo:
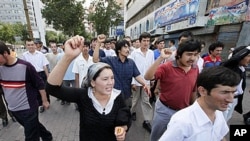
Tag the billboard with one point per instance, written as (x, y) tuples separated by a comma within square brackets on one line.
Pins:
[(231, 12), (175, 11)]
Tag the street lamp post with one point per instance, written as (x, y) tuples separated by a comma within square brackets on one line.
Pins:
[(27, 19)]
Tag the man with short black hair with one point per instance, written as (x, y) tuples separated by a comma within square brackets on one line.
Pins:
[(40, 62), (20, 92), (93, 43), (213, 59), (177, 82), (123, 67), (41, 47), (203, 120)]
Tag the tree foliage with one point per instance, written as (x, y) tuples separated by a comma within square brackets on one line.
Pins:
[(65, 15), (21, 30), (105, 16), (8, 32), (52, 35)]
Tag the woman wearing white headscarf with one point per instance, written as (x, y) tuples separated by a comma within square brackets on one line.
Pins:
[(103, 113)]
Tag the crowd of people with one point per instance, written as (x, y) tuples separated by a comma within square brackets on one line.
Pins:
[(183, 95)]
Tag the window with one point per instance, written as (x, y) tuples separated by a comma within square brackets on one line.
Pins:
[(140, 29), (147, 25)]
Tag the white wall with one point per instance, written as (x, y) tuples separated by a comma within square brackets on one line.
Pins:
[(136, 34), (39, 21), (135, 8)]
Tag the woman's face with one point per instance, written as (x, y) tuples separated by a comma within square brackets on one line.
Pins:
[(104, 83)]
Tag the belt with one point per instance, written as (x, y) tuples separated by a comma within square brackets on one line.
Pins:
[(168, 106)]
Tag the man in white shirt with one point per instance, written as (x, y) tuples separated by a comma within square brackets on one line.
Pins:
[(143, 58), (108, 50), (171, 44), (204, 120), (40, 62), (81, 64)]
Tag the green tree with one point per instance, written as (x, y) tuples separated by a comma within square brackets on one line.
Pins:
[(105, 16), (7, 33), (20, 31), (65, 15), (50, 35), (61, 38)]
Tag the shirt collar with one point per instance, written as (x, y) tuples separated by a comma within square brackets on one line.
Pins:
[(114, 94)]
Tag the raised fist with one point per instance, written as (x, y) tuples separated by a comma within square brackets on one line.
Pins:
[(101, 38)]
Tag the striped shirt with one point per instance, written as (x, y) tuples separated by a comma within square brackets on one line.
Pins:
[(21, 84)]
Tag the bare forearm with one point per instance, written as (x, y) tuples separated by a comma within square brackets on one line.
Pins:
[(43, 95), (76, 80), (152, 69), (140, 80), (46, 71), (96, 53)]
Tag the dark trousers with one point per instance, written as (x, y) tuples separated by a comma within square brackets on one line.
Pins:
[(3, 109), (39, 98), (33, 129)]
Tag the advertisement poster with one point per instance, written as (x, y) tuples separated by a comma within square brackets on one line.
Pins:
[(220, 3), (231, 12), (248, 13), (176, 11)]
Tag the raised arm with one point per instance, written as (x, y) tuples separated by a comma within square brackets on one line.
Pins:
[(165, 54), (100, 39), (73, 48)]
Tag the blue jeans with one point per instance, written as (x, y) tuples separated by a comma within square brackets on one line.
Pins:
[(33, 129)]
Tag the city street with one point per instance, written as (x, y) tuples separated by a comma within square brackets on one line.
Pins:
[(63, 122)]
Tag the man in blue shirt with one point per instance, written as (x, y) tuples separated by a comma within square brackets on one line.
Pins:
[(123, 67)]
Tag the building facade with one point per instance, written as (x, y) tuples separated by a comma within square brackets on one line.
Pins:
[(12, 11), (210, 20)]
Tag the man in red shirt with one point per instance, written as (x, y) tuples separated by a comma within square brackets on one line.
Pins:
[(177, 82), (213, 59)]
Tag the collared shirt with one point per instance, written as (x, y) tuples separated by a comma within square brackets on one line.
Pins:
[(109, 52), (37, 59), (123, 73), (177, 86), (81, 67), (107, 109), (143, 62), (101, 53), (208, 62), (192, 124), (157, 53), (200, 63)]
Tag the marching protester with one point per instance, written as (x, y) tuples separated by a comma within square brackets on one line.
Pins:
[(103, 113)]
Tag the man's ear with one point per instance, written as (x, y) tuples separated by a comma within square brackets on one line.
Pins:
[(202, 91)]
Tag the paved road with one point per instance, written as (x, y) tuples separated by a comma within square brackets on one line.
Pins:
[(63, 122)]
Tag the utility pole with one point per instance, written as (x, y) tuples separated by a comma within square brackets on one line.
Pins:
[(27, 19)]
